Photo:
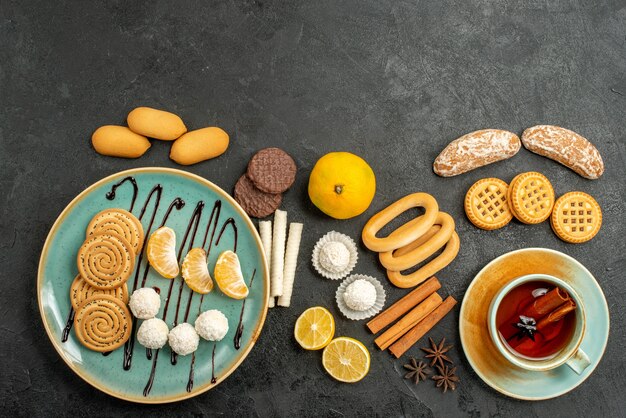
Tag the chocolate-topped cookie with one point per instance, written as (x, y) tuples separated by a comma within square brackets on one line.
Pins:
[(272, 170), (255, 202)]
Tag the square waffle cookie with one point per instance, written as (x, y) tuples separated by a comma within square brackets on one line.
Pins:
[(576, 217), (531, 197), (486, 204)]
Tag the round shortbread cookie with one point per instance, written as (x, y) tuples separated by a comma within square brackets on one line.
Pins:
[(105, 261), (576, 217), (486, 204), (80, 291), (531, 197), (103, 323), (118, 222)]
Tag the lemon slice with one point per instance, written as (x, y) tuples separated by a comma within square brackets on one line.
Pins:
[(346, 359), (196, 272), (315, 328), (161, 252), (229, 277)]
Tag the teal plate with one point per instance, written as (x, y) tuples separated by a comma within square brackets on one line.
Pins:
[(481, 352), (192, 374)]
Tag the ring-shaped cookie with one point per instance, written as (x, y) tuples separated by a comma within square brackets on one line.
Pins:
[(402, 260), (408, 232), (429, 269)]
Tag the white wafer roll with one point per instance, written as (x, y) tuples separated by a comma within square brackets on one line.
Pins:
[(278, 252), (291, 262), (265, 230)]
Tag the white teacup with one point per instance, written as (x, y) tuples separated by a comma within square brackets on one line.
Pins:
[(571, 354)]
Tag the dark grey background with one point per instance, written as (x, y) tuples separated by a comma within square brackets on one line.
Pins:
[(392, 81)]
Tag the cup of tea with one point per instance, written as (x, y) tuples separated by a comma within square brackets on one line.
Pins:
[(537, 322)]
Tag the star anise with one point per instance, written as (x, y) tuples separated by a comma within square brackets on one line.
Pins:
[(417, 371), (437, 352), (527, 327), (446, 378)]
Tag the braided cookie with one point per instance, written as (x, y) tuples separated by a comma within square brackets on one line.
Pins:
[(105, 261), (103, 323), (80, 291), (405, 258), (429, 269), (408, 232), (118, 222), (486, 204), (531, 197)]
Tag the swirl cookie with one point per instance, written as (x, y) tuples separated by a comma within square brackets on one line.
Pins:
[(105, 261), (118, 222), (531, 197), (103, 323), (576, 217), (80, 291), (486, 204)]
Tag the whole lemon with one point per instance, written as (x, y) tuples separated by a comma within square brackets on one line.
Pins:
[(342, 185)]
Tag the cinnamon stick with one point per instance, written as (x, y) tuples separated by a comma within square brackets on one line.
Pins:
[(537, 309), (408, 321), (554, 316), (557, 314), (404, 305), (418, 331)]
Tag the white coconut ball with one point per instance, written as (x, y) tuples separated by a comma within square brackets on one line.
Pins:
[(360, 295), (153, 333), (183, 339), (212, 325), (145, 303)]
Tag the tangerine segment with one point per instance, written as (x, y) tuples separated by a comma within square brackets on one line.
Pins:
[(315, 328), (346, 359), (161, 252), (532, 197), (576, 217), (229, 277), (195, 271)]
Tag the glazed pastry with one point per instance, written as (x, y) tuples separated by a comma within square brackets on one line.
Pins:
[(565, 147), (80, 291), (476, 149), (118, 222), (105, 261), (103, 323)]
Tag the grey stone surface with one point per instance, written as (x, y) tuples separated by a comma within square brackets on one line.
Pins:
[(392, 81)]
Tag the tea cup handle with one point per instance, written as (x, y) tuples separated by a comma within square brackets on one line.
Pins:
[(579, 361)]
